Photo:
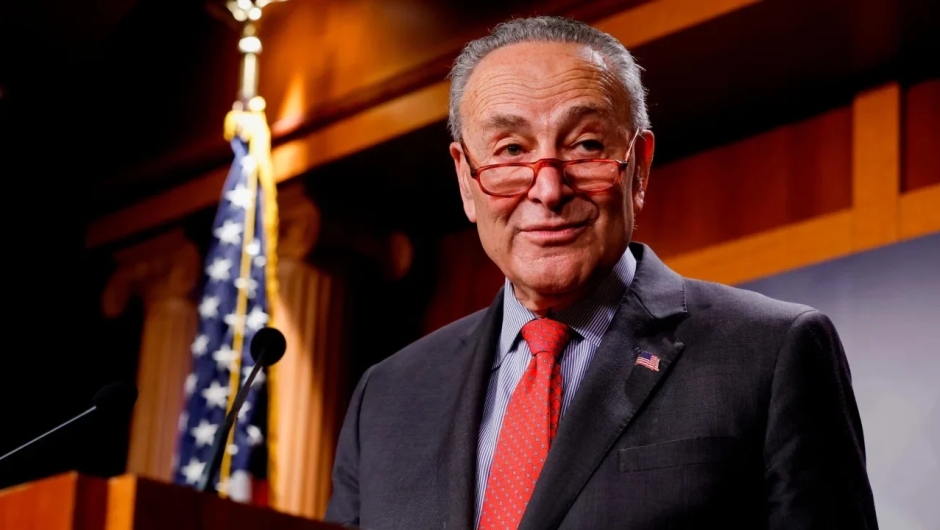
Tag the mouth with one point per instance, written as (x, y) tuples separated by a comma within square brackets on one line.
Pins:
[(554, 234)]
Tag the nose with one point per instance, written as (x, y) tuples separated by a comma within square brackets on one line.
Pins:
[(549, 188)]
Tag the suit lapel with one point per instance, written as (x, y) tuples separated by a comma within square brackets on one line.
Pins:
[(458, 456), (613, 389)]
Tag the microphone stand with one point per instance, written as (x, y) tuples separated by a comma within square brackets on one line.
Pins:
[(221, 437), (40, 437)]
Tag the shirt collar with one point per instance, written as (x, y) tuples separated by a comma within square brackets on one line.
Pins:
[(589, 317)]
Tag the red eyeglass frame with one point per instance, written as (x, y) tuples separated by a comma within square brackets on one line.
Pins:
[(557, 163)]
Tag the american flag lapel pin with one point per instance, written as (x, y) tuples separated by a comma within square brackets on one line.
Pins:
[(648, 360)]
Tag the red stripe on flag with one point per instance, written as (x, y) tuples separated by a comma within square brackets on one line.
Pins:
[(260, 492)]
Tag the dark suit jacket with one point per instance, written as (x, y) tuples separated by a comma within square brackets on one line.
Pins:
[(750, 422)]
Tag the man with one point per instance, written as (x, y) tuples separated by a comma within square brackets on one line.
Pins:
[(600, 389)]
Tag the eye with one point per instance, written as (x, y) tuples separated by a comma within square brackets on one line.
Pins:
[(511, 150), (591, 146)]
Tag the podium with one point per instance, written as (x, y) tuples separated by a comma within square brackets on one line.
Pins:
[(72, 501)]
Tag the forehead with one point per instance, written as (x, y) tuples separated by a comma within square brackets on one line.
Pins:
[(537, 81)]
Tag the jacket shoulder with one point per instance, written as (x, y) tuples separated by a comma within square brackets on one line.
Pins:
[(749, 329), (740, 306)]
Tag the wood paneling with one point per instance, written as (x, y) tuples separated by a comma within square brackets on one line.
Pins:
[(467, 280), (785, 248), (783, 176), (371, 51), (324, 145), (63, 502), (876, 166), (879, 215), (919, 212), (921, 140), (137, 503), (290, 98), (323, 61)]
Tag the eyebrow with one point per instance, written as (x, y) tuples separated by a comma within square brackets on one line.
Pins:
[(505, 121), (579, 112)]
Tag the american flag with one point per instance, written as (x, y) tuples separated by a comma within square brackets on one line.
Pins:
[(648, 360), (235, 304)]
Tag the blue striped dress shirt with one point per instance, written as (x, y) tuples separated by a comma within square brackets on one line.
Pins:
[(588, 319)]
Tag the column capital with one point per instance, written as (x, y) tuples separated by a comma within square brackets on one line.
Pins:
[(164, 267), (300, 223)]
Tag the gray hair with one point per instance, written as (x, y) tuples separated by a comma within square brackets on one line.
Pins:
[(549, 29)]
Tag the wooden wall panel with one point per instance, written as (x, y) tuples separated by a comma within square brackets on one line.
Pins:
[(921, 136), (786, 175), (318, 52), (467, 280), (876, 166), (339, 77)]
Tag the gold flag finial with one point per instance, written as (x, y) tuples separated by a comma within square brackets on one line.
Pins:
[(248, 13)]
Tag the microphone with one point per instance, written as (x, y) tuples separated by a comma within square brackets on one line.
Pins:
[(113, 400), (267, 347)]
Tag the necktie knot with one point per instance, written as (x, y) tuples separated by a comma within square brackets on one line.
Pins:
[(544, 335)]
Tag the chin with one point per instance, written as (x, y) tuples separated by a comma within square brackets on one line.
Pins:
[(553, 274)]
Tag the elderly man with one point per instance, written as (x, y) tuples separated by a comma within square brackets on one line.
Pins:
[(600, 389)]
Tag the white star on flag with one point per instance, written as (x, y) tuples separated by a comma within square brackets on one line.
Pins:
[(240, 197), (202, 341), (216, 395), (204, 433), (224, 358), (256, 319), (249, 285), (193, 471), (220, 269), (190, 385), (253, 248), (209, 308), (232, 320), (249, 164), (239, 486), (229, 233), (254, 435)]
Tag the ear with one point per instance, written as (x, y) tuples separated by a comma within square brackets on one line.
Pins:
[(463, 179), (645, 144)]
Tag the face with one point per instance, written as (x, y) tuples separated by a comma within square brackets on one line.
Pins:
[(530, 101)]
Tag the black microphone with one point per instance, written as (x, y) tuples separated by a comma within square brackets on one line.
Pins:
[(267, 347), (114, 400)]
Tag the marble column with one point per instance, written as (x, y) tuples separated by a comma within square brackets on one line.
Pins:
[(163, 272)]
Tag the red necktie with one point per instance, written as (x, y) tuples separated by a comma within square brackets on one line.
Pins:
[(528, 428)]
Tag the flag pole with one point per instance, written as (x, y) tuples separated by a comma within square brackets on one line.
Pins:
[(247, 121)]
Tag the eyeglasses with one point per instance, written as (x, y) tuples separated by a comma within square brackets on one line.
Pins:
[(514, 179)]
